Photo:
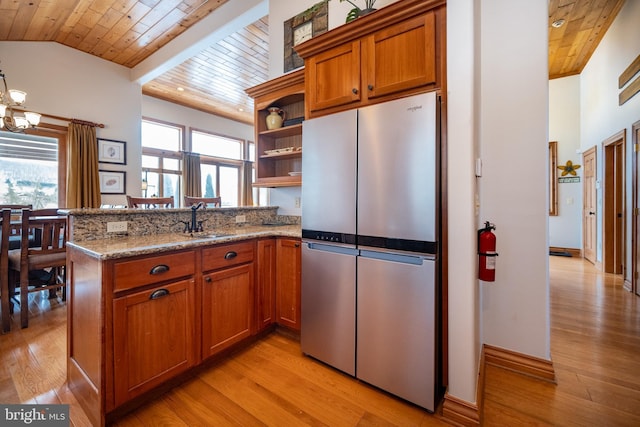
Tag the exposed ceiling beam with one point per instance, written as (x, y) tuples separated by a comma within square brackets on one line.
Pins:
[(226, 20)]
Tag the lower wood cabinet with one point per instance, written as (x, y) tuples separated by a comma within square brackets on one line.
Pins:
[(288, 257), (136, 322), (227, 308), (152, 337), (266, 284)]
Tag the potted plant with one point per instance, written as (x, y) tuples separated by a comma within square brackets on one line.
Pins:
[(357, 12)]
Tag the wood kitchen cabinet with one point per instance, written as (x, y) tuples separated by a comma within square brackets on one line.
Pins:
[(396, 51), (279, 151), (227, 296), (138, 322), (265, 283), (153, 337), (288, 255)]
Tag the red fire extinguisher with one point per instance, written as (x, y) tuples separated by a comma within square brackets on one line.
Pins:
[(487, 253)]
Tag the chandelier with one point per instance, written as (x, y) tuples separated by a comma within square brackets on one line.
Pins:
[(9, 120)]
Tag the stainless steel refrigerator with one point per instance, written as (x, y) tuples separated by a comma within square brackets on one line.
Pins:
[(369, 257)]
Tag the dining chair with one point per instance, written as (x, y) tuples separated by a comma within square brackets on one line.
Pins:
[(191, 201), (149, 202), (5, 224), (39, 264)]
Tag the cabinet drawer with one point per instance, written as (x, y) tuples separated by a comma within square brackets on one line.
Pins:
[(145, 271), (223, 256)]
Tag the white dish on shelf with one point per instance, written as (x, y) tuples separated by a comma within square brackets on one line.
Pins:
[(279, 151), (295, 173)]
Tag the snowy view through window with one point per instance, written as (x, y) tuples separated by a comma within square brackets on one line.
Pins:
[(28, 170)]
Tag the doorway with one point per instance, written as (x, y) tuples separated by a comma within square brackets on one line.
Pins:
[(613, 197), (635, 224), (589, 159)]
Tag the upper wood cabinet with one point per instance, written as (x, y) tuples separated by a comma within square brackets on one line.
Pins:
[(395, 51), (279, 151)]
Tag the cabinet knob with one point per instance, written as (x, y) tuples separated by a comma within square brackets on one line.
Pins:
[(297, 245), (207, 279), (370, 87), (354, 90)]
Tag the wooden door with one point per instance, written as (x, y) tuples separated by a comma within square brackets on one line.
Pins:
[(635, 138), (589, 212), (401, 57), (288, 281), (333, 77), (227, 308), (266, 283), (613, 229), (153, 338)]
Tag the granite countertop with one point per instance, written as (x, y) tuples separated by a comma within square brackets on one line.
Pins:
[(125, 246)]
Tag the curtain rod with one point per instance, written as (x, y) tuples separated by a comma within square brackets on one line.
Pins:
[(66, 119)]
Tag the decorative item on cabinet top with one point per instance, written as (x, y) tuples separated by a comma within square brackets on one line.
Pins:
[(356, 12), (302, 27)]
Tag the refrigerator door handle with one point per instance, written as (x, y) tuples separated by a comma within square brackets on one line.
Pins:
[(331, 248), (397, 257)]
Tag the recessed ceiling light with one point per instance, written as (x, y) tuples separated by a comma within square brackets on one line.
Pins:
[(557, 23), (180, 89), (241, 109)]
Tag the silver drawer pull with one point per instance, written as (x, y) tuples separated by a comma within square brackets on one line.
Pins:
[(159, 269), (159, 293), (230, 255)]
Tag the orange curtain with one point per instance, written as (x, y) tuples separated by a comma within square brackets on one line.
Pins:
[(83, 181)]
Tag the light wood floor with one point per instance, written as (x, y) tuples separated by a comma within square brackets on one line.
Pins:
[(595, 343)]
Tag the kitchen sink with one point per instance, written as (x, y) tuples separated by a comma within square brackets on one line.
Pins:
[(209, 235)]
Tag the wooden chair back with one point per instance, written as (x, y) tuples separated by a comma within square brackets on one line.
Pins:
[(191, 201), (149, 202), (5, 229), (42, 246)]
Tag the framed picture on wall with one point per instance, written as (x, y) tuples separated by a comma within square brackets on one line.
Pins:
[(112, 182), (112, 151)]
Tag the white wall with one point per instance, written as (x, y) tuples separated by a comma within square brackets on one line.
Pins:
[(601, 116), (565, 229), (513, 139), (68, 83), (464, 314)]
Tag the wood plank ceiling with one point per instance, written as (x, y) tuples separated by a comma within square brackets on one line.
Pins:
[(128, 31)]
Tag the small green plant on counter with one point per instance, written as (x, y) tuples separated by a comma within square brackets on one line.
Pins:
[(356, 11)]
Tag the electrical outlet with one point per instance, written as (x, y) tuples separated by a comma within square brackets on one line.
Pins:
[(297, 202), (240, 219), (116, 227)]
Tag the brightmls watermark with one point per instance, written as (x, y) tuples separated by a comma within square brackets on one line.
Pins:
[(34, 415)]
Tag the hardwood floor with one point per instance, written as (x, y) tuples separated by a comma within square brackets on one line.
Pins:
[(595, 343)]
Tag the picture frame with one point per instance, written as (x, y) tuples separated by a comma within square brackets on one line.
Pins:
[(112, 151), (112, 182), (302, 27)]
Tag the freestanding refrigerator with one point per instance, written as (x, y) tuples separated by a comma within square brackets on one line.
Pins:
[(369, 258)]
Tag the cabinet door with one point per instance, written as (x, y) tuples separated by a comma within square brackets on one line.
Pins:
[(401, 57), (288, 283), (227, 298), (153, 337), (266, 283), (333, 77)]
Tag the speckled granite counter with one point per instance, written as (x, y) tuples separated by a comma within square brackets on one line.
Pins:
[(126, 246)]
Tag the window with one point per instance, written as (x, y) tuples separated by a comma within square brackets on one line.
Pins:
[(161, 160), (221, 160), (30, 170)]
